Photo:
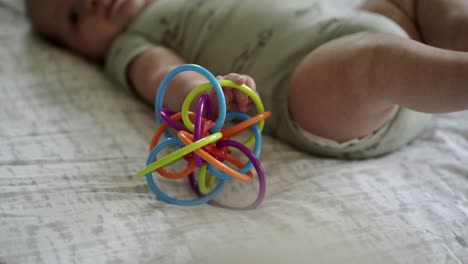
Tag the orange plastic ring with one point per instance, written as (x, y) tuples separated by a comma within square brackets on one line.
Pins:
[(187, 139), (239, 128), (166, 174), (203, 185)]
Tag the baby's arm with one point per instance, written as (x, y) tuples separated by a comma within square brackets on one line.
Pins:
[(146, 72)]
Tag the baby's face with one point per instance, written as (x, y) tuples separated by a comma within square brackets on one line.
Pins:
[(86, 26)]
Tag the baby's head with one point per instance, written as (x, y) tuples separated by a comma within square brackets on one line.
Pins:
[(85, 26)]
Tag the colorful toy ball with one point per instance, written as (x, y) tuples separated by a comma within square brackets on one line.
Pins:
[(206, 143)]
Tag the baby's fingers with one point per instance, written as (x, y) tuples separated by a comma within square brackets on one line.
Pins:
[(236, 99), (228, 93), (249, 81), (236, 78), (242, 100)]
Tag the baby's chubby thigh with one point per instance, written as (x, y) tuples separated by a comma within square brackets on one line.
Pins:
[(319, 104), (328, 101)]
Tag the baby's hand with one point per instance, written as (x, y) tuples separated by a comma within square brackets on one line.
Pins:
[(236, 100)]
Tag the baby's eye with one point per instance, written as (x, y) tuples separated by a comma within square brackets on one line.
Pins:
[(74, 16)]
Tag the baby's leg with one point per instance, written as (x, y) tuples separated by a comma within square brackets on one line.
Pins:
[(350, 87), (439, 23)]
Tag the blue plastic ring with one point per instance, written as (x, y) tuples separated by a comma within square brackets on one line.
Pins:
[(257, 149), (164, 197), (211, 78)]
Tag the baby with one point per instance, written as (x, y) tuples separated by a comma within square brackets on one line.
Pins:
[(353, 85)]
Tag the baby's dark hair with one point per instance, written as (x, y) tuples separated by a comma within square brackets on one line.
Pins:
[(30, 6), (39, 13)]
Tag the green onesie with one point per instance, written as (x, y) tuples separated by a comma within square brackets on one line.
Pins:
[(265, 39)]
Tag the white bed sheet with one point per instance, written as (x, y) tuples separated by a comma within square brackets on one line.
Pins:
[(71, 143)]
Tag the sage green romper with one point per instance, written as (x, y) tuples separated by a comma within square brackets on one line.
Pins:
[(265, 39)]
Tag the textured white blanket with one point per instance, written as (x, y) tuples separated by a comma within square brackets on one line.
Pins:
[(71, 143)]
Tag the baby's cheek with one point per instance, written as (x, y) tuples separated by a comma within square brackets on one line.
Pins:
[(96, 38)]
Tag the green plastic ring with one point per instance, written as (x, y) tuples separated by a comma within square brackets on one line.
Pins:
[(180, 153), (224, 83), (202, 185)]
